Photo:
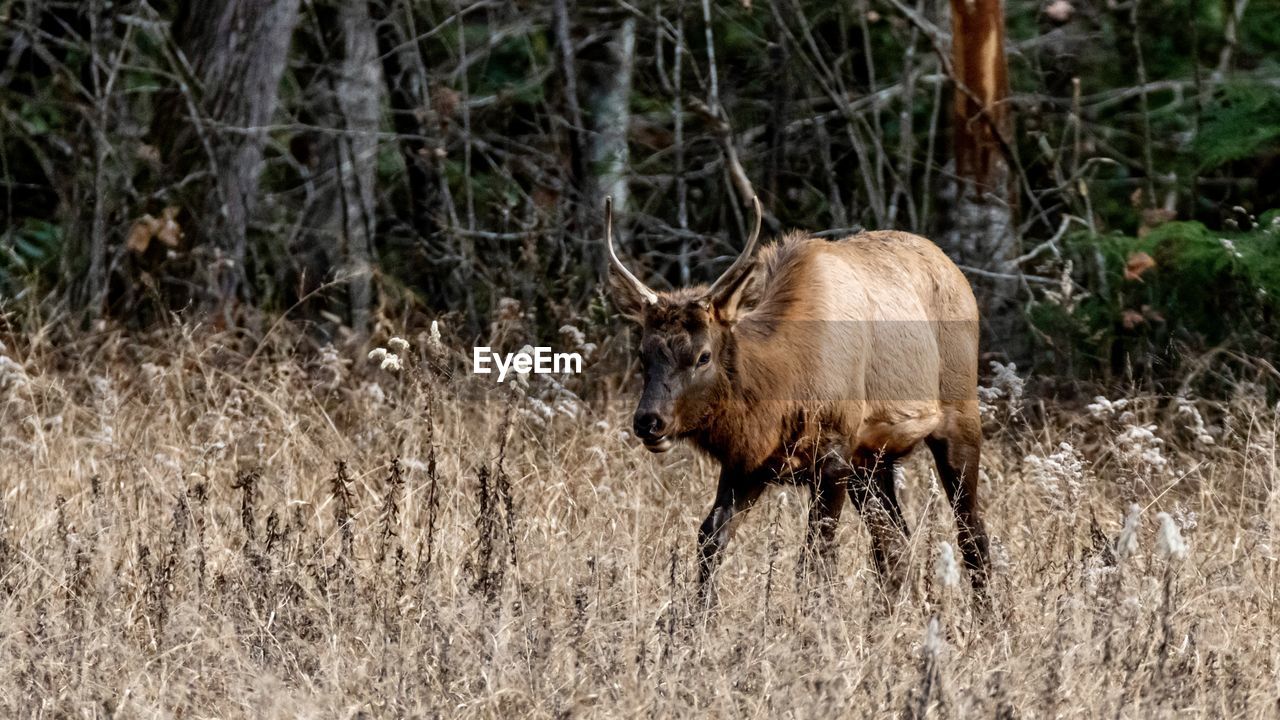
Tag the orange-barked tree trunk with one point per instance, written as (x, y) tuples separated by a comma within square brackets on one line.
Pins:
[(981, 232)]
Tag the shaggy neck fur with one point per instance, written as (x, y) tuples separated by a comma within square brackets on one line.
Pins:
[(753, 416), (746, 419)]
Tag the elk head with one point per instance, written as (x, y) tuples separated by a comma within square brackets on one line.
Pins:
[(687, 346)]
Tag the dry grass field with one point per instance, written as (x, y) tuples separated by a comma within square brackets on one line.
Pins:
[(191, 531)]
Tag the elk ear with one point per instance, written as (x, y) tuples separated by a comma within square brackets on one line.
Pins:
[(732, 302), (627, 299)]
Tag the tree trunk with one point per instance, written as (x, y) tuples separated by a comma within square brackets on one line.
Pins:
[(413, 114), (236, 52), (981, 233), (569, 77), (338, 240), (609, 102)]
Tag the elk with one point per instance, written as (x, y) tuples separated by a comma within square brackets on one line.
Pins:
[(818, 363)]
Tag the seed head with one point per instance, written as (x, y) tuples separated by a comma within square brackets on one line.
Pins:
[(945, 570), (435, 347), (522, 378), (398, 344), (391, 362), (1127, 545), (1169, 542), (377, 354), (933, 640)]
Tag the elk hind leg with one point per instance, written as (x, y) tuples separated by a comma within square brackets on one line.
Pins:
[(872, 490), (957, 449), (826, 504)]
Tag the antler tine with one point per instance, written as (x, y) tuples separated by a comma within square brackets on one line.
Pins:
[(649, 295), (733, 275)]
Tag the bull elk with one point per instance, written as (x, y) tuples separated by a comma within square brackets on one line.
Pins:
[(819, 363)]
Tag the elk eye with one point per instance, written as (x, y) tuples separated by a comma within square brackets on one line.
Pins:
[(704, 358)]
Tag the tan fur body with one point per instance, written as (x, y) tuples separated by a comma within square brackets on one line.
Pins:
[(868, 343)]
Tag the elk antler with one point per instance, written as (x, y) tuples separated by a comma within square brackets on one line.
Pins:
[(727, 283), (649, 296)]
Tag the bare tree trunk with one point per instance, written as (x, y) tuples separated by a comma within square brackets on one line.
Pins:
[(569, 76), (235, 53), (981, 232), (1231, 40), (413, 115), (609, 106), (339, 238), (96, 281)]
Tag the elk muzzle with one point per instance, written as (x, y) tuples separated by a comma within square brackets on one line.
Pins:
[(652, 421)]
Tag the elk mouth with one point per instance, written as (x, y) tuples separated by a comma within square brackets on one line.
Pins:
[(658, 444)]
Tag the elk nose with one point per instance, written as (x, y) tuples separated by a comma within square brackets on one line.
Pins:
[(648, 424)]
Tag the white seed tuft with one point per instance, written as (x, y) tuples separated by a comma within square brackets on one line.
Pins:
[(1169, 542), (945, 569), (1060, 475), (1195, 421), (391, 362), (1141, 448), (398, 344), (573, 336), (377, 354), (522, 378), (934, 643), (435, 346), (1127, 545)]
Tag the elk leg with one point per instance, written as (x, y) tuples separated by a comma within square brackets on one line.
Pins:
[(956, 455), (734, 494), (871, 487), (824, 516)]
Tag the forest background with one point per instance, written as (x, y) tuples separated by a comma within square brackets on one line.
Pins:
[(1108, 181)]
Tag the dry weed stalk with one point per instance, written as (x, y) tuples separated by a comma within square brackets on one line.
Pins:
[(379, 558)]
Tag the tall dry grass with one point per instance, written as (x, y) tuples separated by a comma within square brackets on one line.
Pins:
[(193, 531)]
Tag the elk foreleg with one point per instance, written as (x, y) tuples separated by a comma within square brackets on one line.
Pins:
[(824, 515), (736, 493)]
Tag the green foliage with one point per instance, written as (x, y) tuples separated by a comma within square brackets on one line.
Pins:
[(25, 251), (1205, 290), (1243, 122), (1260, 31)]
